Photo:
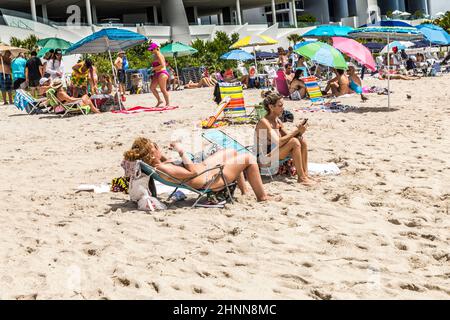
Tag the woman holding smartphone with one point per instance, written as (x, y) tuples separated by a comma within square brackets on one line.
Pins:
[(275, 143)]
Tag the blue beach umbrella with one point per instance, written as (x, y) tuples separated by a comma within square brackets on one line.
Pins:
[(107, 40), (434, 34), (328, 31), (239, 55), (389, 23)]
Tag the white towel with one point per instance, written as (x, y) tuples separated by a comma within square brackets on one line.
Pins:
[(323, 169)]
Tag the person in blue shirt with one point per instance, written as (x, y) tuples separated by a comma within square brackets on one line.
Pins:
[(18, 71)]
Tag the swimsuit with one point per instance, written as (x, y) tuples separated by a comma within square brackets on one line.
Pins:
[(355, 87), (158, 73), (80, 78)]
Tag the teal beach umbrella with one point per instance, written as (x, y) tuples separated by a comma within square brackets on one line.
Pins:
[(177, 49)]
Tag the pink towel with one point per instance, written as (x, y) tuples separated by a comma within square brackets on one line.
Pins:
[(143, 109)]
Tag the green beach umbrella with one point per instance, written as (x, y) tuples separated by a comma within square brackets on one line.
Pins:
[(323, 54), (52, 43), (177, 49)]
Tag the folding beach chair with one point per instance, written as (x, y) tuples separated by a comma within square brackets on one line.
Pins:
[(223, 141), (164, 178), (70, 108), (25, 102), (313, 89), (235, 111)]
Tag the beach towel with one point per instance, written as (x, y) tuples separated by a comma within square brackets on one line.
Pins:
[(333, 107), (143, 109), (323, 169)]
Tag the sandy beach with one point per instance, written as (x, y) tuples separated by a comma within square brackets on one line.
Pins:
[(380, 229)]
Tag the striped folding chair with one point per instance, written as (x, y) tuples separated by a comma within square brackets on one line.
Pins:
[(313, 89), (235, 110)]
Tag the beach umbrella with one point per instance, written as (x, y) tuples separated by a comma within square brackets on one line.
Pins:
[(388, 23), (397, 12), (434, 34), (374, 46), (328, 31), (388, 33), (405, 14), (254, 41), (355, 50), (323, 54), (14, 51), (177, 49), (303, 43), (262, 55), (52, 43), (401, 45), (239, 55), (107, 40)]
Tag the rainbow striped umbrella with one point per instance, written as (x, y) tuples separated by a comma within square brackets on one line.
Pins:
[(323, 54)]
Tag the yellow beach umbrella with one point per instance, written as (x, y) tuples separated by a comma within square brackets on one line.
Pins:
[(253, 41)]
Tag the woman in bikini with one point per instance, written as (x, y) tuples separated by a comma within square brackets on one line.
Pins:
[(234, 167), (275, 143), (297, 88), (160, 75)]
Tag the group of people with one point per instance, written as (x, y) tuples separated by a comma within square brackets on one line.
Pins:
[(274, 145)]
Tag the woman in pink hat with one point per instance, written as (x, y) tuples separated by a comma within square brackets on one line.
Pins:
[(160, 75)]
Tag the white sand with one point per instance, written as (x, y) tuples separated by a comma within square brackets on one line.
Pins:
[(379, 230)]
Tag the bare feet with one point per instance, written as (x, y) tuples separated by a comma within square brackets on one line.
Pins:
[(158, 104), (306, 181), (271, 198)]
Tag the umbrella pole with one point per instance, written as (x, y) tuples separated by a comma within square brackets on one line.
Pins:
[(256, 63), (389, 75), (176, 68), (116, 83)]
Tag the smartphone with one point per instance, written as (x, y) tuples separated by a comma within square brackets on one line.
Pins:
[(305, 121)]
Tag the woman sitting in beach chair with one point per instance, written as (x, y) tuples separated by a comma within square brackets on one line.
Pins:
[(205, 174), (274, 143), (64, 98)]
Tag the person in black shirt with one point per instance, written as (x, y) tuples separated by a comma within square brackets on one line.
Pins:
[(33, 72)]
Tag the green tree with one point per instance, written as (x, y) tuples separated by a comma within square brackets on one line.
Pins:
[(29, 43), (419, 14), (389, 14), (307, 17), (294, 38), (444, 21)]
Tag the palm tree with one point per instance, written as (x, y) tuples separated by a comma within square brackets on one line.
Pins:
[(294, 38)]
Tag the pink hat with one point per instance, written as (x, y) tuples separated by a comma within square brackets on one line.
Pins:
[(153, 46)]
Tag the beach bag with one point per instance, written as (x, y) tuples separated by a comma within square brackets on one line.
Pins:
[(287, 116), (287, 168), (59, 109)]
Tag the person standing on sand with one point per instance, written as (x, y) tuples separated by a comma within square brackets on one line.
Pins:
[(160, 75), (6, 84), (121, 75)]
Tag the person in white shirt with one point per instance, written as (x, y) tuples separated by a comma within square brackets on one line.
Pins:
[(55, 66)]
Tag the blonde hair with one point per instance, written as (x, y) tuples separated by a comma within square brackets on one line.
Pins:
[(270, 99)]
